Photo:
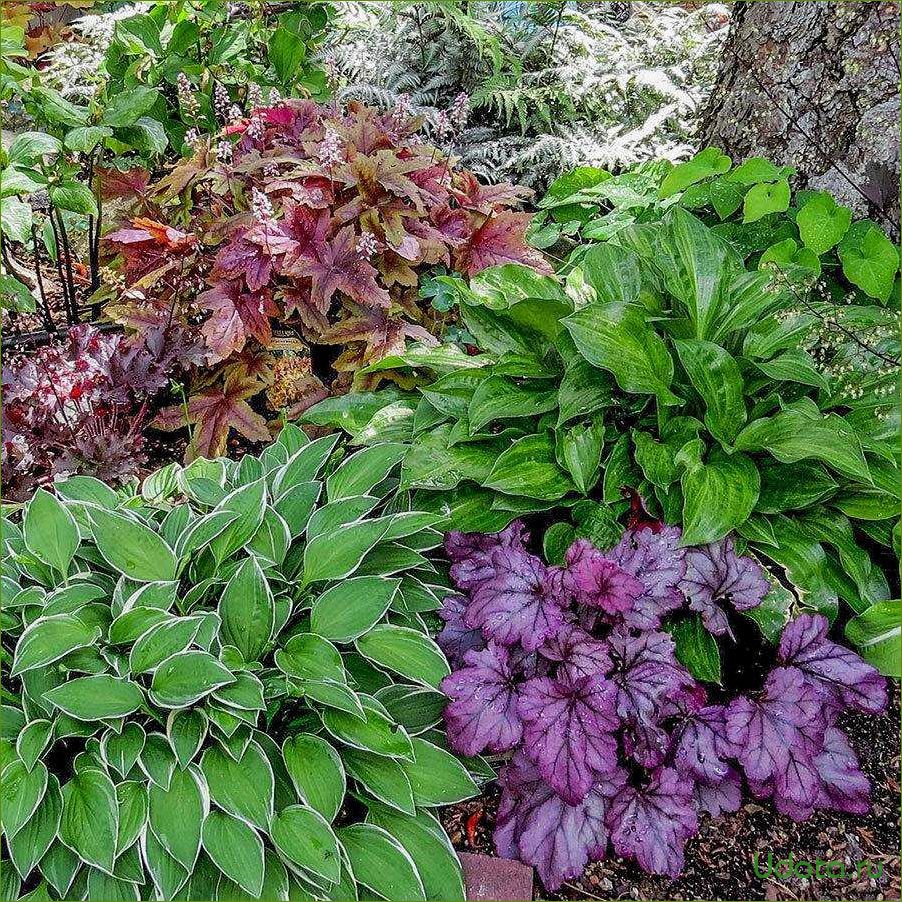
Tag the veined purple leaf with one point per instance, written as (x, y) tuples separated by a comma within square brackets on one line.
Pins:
[(838, 671), (576, 652), (652, 824), (539, 827), (657, 560), (482, 715), (598, 582), (701, 744), (843, 785), (720, 798), (715, 573), (461, 545), (568, 732), (516, 604), (778, 735), (456, 638), (646, 674)]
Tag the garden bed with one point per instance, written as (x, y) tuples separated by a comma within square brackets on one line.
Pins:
[(719, 857)]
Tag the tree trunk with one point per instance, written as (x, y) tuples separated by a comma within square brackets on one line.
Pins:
[(815, 85)]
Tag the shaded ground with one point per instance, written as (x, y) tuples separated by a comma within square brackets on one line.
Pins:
[(719, 858)]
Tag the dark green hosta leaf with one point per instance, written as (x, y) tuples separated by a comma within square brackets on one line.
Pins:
[(90, 818), (338, 553), (498, 398), (380, 862), (363, 470), (161, 642), (176, 815), (876, 634), (437, 777), (718, 495), (247, 611), (96, 697), (29, 845), (347, 610), (382, 777), (716, 377), (32, 740), (308, 656), (244, 788), (167, 874), (317, 772), (405, 651), (432, 462), (50, 531), (787, 487), (121, 750), (529, 468), (21, 791), (613, 273), (799, 433), (306, 839), (48, 639), (794, 365), (249, 503), (236, 849), (187, 677), (696, 649), (583, 390), (578, 450), (376, 733), (132, 548), (59, 867), (618, 338)]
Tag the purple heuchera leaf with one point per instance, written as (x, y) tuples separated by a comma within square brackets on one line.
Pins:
[(658, 561), (482, 715), (456, 638), (778, 736), (715, 573), (517, 603), (720, 798), (598, 582), (576, 652), (539, 827), (701, 744), (843, 785), (568, 732), (652, 824), (471, 552), (838, 672)]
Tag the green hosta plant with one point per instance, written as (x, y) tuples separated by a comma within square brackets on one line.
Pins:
[(662, 366), (222, 686)]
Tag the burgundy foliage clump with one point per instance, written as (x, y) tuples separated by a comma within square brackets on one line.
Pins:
[(78, 406), (614, 744), (314, 222)]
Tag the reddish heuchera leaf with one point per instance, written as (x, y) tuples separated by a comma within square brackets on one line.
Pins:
[(235, 315), (148, 245), (338, 266), (214, 412), (114, 183), (251, 255), (473, 195), (500, 239)]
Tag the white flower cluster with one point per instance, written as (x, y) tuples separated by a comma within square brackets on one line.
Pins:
[(330, 148)]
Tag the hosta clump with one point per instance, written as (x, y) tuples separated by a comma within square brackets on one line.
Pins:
[(308, 227), (78, 406), (576, 670), (223, 685)]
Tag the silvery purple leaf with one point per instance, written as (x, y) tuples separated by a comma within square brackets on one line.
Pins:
[(657, 560), (838, 671), (715, 573), (540, 828), (456, 638), (482, 715), (843, 785), (598, 582), (516, 604), (701, 744), (720, 798), (577, 653), (568, 732), (471, 552), (778, 735), (652, 824)]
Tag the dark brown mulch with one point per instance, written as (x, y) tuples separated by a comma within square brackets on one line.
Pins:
[(719, 857)]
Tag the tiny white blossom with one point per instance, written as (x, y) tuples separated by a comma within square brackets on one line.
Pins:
[(330, 147), (261, 206), (367, 245)]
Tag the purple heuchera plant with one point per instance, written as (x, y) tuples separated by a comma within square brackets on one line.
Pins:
[(614, 744)]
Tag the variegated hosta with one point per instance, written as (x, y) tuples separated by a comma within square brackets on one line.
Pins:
[(223, 685), (315, 220)]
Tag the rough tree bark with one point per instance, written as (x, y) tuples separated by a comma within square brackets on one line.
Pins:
[(807, 83)]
